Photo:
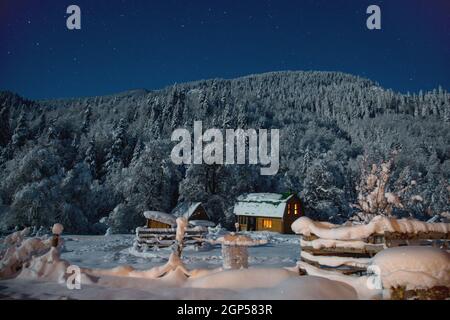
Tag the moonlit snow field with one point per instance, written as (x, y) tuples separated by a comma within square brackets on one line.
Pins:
[(111, 251)]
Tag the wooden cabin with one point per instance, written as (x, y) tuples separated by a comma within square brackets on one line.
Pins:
[(159, 220), (194, 212), (267, 212)]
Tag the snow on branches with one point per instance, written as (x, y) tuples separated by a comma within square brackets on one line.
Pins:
[(373, 195)]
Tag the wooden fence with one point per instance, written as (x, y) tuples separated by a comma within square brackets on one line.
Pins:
[(162, 238), (351, 257)]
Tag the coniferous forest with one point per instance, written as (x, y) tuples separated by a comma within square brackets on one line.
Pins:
[(100, 162)]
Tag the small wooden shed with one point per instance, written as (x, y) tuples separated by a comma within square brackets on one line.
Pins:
[(159, 220), (267, 211), (194, 212)]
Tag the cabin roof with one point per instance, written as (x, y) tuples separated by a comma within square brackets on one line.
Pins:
[(161, 217), (261, 205), (186, 209)]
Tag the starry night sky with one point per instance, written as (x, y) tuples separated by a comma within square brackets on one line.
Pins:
[(134, 44)]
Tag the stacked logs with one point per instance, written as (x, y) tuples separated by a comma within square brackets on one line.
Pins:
[(348, 249)]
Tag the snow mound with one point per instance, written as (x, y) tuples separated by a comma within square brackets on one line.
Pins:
[(16, 237), (242, 279), (233, 239), (50, 267), (361, 285), (17, 256), (332, 244), (378, 225), (334, 261), (303, 288), (413, 267), (173, 264)]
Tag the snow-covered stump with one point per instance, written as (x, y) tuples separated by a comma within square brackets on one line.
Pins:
[(234, 257), (234, 250)]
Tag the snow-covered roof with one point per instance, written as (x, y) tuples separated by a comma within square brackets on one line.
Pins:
[(185, 209), (261, 205), (202, 223), (161, 217)]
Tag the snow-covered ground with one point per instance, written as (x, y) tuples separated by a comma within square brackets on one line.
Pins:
[(115, 250), (110, 268)]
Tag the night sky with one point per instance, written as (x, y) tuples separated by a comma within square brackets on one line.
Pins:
[(127, 45)]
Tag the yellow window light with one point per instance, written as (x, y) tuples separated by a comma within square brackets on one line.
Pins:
[(267, 224)]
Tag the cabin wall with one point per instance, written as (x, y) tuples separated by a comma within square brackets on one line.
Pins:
[(243, 222), (199, 214), (261, 223), (269, 224), (292, 212), (152, 224)]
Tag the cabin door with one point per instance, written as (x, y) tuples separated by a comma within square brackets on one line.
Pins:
[(251, 226)]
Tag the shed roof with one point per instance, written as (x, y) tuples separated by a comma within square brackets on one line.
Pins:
[(186, 209), (261, 205), (161, 217)]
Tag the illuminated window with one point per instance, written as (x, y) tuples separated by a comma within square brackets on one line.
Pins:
[(267, 224), (296, 209), (289, 208)]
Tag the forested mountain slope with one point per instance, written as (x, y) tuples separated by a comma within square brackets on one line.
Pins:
[(76, 161)]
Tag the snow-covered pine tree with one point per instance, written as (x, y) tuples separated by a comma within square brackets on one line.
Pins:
[(115, 155), (5, 133), (20, 132), (91, 157), (307, 158), (87, 113), (52, 131), (41, 124)]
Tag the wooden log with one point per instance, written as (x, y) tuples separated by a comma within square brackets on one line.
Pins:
[(417, 242), (341, 252), (417, 236), (435, 293), (381, 238), (169, 236), (170, 230), (347, 270)]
